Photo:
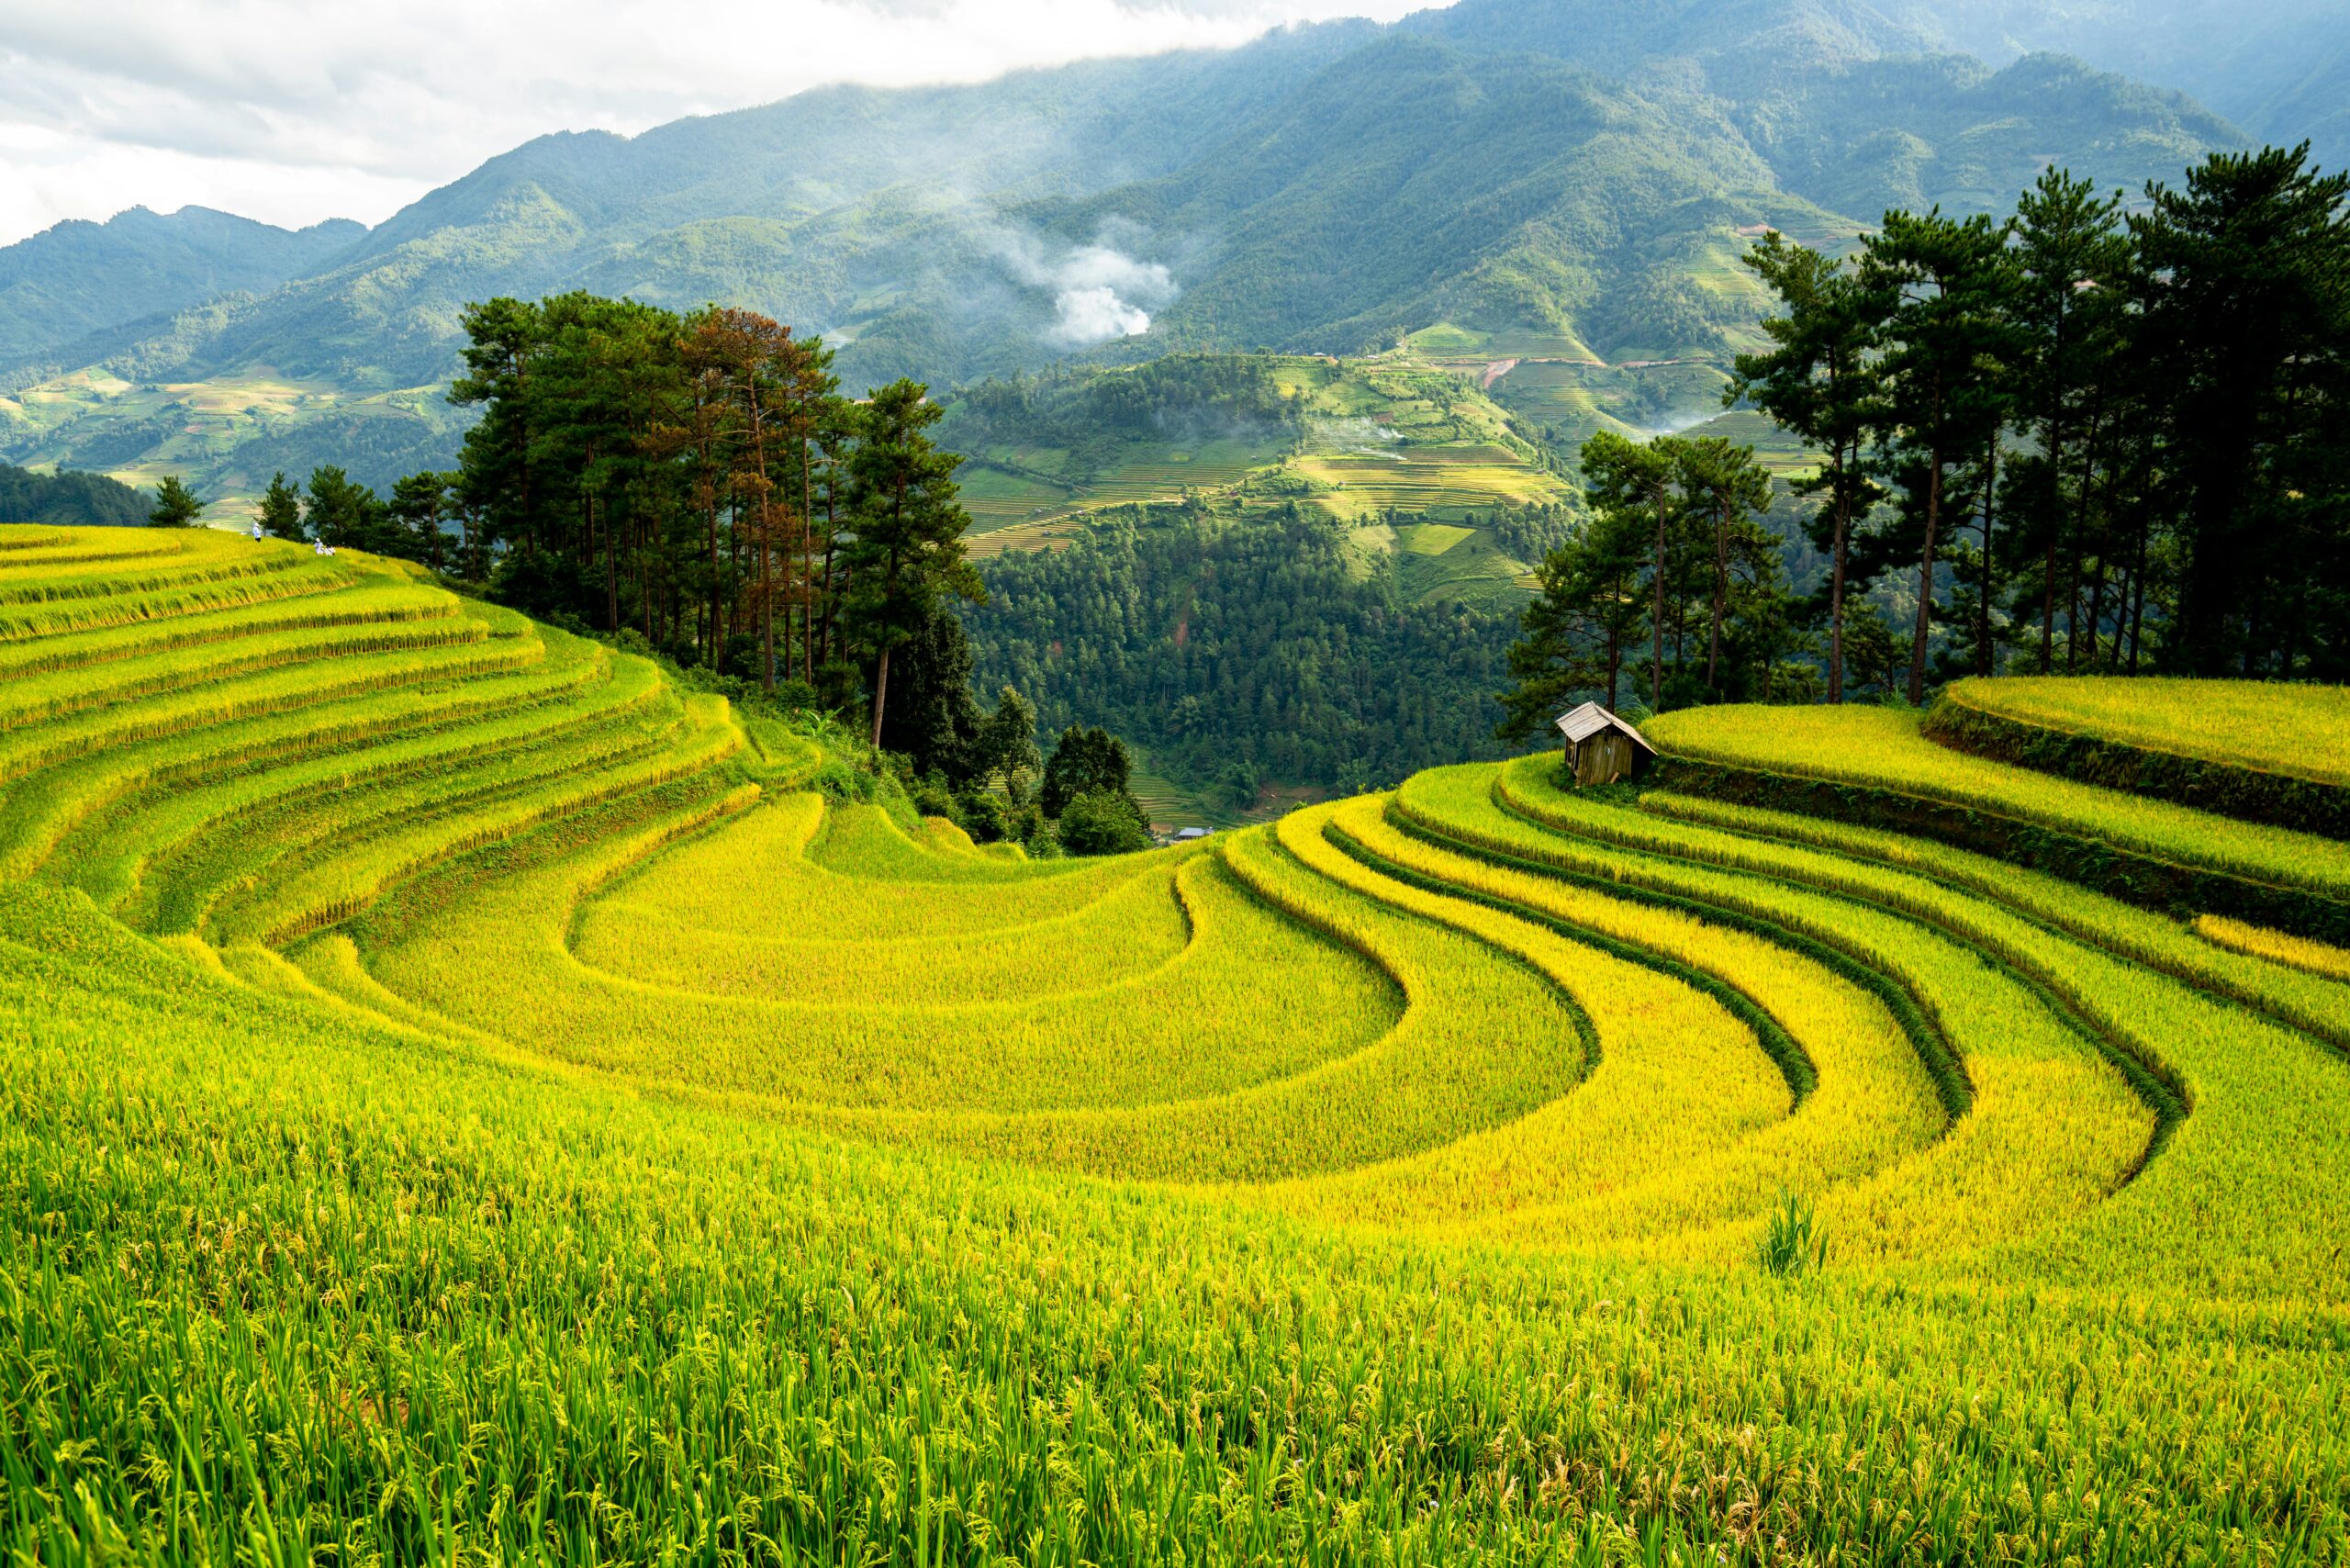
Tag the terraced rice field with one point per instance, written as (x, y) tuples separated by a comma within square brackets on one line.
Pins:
[(1012, 488), (468, 1099), (1426, 479)]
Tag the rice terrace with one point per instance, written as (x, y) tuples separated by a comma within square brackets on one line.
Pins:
[(1549, 782), (469, 1095)]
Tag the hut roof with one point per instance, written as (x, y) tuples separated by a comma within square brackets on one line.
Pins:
[(1579, 724)]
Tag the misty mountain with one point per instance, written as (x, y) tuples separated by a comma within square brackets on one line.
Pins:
[(2279, 68), (78, 278), (1574, 170)]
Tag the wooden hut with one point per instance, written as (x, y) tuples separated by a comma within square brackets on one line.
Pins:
[(1600, 747)]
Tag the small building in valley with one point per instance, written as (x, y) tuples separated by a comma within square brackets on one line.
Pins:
[(1603, 748)]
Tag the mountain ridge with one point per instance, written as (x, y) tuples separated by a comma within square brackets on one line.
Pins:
[(1327, 189)]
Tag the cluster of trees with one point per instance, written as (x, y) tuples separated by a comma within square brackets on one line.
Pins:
[(333, 510), (1240, 646), (1673, 563), (1182, 394), (69, 498), (698, 479), (2078, 439), (982, 770)]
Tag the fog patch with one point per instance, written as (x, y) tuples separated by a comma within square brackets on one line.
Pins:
[(1356, 437), (1100, 292)]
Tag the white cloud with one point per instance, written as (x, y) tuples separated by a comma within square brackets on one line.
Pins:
[(296, 111), (1089, 316), (1099, 292)]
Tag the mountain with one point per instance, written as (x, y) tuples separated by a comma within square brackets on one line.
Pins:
[(1731, 46), (829, 210), (1562, 185), (1853, 109), (78, 278), (2281, 68)]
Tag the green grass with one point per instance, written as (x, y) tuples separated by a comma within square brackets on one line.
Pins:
[(2269, 726)]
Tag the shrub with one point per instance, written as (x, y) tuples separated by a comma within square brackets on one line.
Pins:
[(1102, 822)]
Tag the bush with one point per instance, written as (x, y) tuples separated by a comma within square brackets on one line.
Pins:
[(1102, 822), (932, 798), (984, 815), (837, 780)]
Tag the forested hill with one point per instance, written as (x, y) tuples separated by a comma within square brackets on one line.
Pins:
[(69, 499), (76, 279), (1564, 179)]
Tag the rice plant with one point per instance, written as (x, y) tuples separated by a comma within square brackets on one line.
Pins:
[(464, 1098)]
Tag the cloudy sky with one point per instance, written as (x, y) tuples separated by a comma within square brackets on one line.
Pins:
[(297, 111)]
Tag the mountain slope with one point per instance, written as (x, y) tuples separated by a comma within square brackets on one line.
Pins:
[(1858, 109), (1411, 183), (2281, 69), (831, 209), (1563, 181), (1731, 45), (78, 278)]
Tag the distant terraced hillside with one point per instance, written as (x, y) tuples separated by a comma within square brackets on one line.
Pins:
[(462, 1088), (1402, 451)]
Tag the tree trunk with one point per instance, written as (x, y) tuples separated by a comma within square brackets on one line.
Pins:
[(2096, 605), (2048, 606), (1656, 674), (1990, 494), (1836, 585), (1925, 577), (806, 556), (1722, 595), (880, 693), (611, 581)]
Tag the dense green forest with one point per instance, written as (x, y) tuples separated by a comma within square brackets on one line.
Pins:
[(1241, 647), (1182, 395), (68, 498)]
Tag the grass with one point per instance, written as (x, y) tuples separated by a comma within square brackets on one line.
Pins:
[(468, 1099)]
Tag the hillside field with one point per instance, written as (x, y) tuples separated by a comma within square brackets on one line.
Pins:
[(1397, 434), (470, 1099)]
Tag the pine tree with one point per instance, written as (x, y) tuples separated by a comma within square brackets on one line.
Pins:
[(1820, 381), (177, 506), (908, 550), (1940, 282), (281, 508)]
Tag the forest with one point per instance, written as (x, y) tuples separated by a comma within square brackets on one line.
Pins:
[(1243, 646), (67, 496)]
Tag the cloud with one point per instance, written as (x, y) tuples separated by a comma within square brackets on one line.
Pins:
[(1090, 316), (292, 111), (1099, 291)]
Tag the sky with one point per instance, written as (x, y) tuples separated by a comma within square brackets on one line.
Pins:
[(294, 111)]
